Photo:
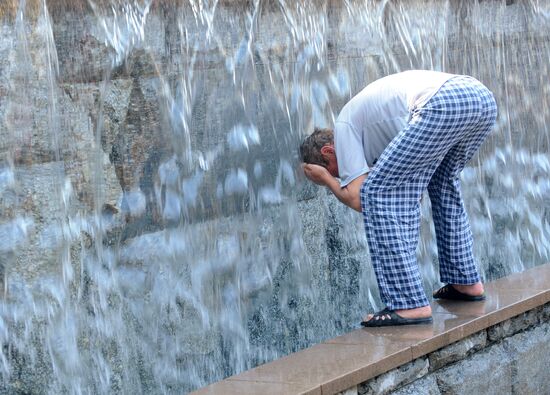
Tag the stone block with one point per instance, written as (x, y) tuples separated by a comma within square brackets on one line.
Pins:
[(306, 190), (513, 325), (34, 231), (486, 372), (424, 386), (80, 151), (457, 351), (349, 391), (530, 353), (313, 218), (387, 382)]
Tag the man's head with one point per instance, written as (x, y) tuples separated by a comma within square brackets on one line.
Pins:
[(318, 149)]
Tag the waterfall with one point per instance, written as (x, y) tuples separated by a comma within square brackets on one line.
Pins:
[(156, 232)]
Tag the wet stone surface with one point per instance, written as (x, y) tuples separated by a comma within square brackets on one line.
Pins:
[(187, 141), (512, 357), (457, 351), (424, 386), (486, 372), (515, 325), (531, 362), (388, 382)]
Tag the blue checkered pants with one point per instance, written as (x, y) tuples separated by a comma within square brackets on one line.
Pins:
[(440, 138)]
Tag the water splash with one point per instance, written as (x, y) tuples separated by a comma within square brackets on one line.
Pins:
[(122, 26), (155, 230)]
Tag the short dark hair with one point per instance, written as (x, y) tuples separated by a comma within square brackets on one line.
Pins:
[(310, 149)]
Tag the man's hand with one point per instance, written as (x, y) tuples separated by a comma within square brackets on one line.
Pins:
[(317, 174), (349, 195)]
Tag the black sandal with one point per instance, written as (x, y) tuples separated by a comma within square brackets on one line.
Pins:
[(448, 292), (389, 317)]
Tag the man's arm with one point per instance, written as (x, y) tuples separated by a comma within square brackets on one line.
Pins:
[(349, 195)]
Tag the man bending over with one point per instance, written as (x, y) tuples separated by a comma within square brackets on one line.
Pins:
[(400, 135)]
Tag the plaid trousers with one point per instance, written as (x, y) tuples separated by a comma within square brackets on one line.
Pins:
[(430, 152)]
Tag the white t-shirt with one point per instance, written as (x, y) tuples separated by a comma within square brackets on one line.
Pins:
[(370, 121)]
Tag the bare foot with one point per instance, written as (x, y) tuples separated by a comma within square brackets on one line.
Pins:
[(419, 312), (472, 289)]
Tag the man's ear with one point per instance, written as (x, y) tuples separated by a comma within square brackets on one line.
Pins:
[(327, 149)]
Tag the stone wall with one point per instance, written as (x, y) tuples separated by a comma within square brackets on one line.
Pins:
[(128, 196), (512, 357)]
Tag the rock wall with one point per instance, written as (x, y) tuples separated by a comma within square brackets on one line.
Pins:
[(150, 184), (512, 357)]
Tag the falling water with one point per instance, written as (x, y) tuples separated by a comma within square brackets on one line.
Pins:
[(156, 233)]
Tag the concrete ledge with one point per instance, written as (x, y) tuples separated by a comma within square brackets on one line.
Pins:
[(512, 357), (346, 361)]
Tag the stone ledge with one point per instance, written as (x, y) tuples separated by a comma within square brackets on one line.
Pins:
[(516, 364), (513, 304)]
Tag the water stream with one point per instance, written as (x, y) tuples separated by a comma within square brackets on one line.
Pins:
[(156, 233)]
